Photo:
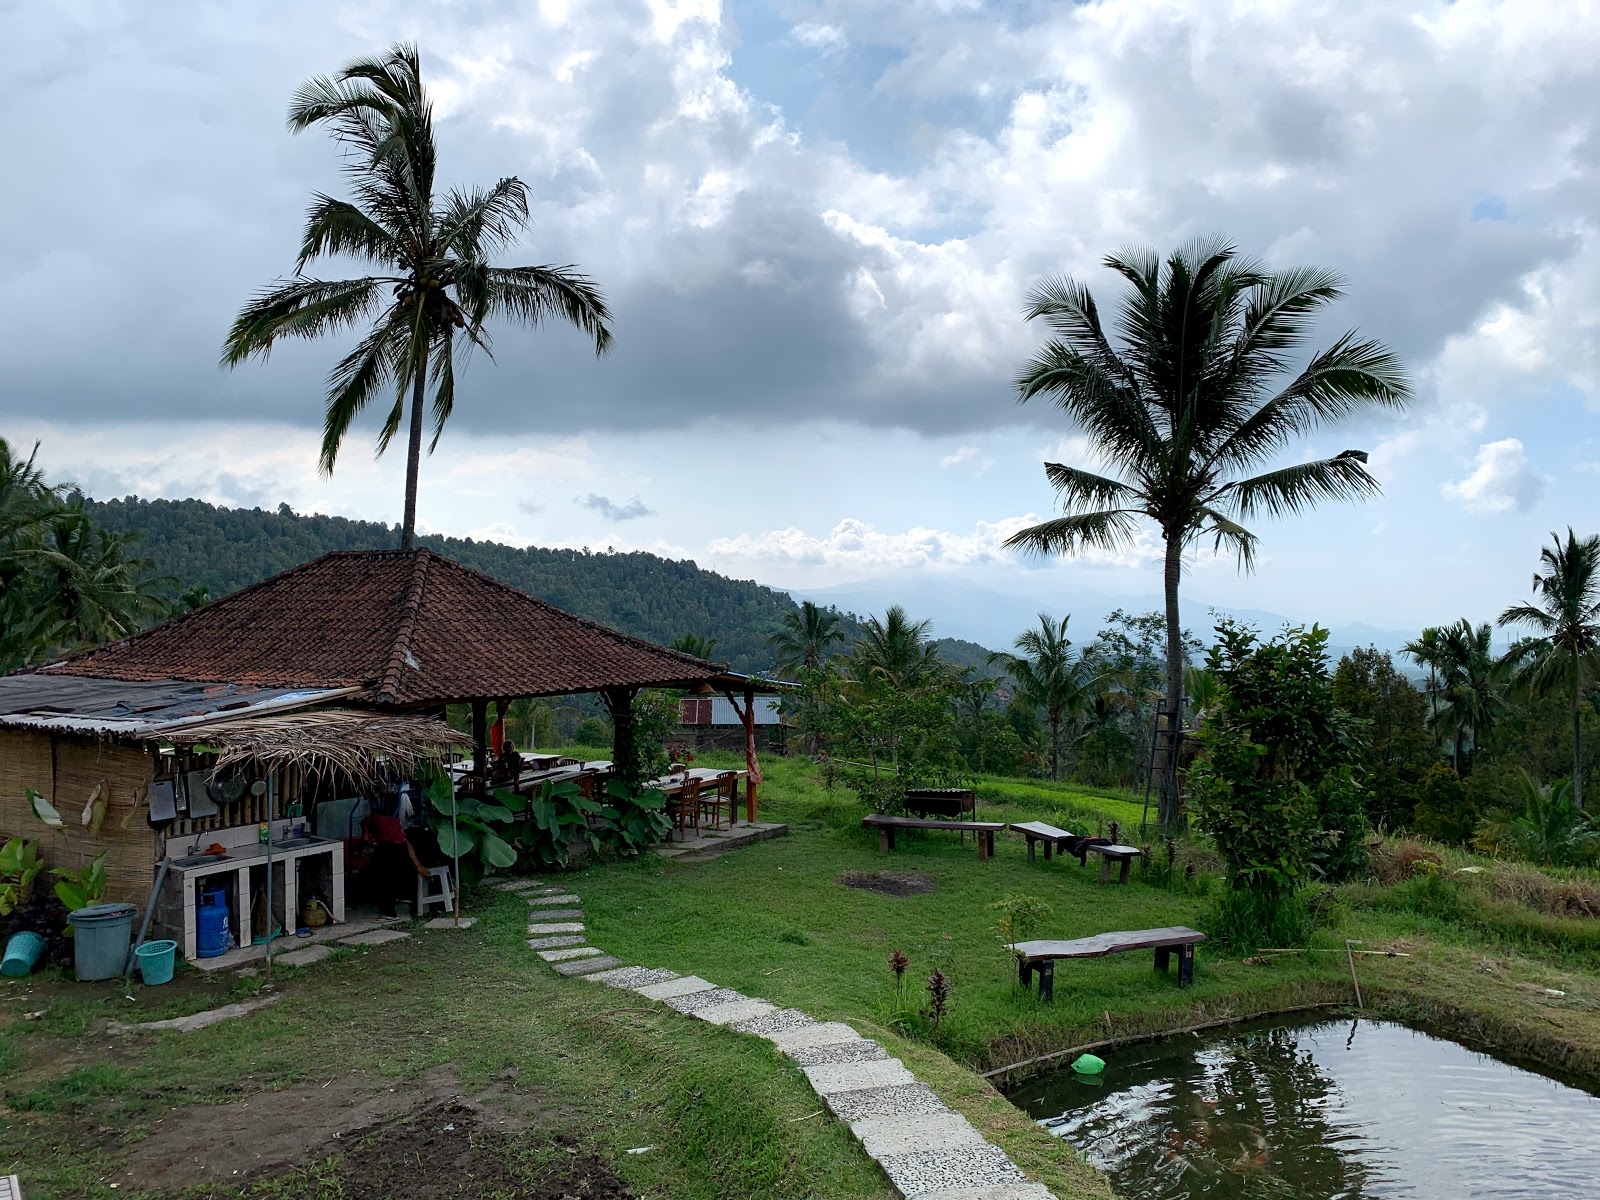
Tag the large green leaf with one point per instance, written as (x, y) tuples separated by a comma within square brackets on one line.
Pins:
[(455, 842), (497, 852), (44, 810), (494, 812)]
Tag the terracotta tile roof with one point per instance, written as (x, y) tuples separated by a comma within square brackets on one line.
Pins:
[(411, 627)]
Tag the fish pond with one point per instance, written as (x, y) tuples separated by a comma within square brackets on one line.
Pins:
[(1318, 1109)]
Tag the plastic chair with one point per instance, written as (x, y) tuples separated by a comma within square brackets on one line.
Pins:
[(427, 898)]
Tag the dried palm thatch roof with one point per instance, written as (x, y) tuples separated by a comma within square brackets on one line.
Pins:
[(360, 746)]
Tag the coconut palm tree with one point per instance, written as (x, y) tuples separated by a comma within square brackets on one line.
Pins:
[(1050, 675), (806, 636), (435, 289), (1199, 394), (1563, 655), (895, 650), (693, 643), (99, 588), (1471, 694)]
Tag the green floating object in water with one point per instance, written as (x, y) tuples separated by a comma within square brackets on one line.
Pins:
[(1088, 1064)]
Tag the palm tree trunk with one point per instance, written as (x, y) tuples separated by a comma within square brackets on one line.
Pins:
[(408, 528), (1055, 748), (1577, 755), (1174, 700)]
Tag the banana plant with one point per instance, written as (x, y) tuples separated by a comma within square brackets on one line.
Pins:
[(640, 818), (20, 865), (559, 820), (83, 887), (472, 835)]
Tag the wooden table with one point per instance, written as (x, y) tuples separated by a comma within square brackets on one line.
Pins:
[(1041, 956)]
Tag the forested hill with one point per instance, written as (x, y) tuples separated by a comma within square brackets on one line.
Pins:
[(224, 549)]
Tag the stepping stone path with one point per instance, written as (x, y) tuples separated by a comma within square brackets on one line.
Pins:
[(373, 937), (928, 1151)]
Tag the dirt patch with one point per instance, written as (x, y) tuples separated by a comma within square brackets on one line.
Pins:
[(454, 1150), (885, 883), (303, 1124)]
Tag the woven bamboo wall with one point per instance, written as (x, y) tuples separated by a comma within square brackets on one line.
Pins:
[(65, 769)]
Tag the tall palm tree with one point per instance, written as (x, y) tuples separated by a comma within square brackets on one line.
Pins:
[(804, 639), (100, 589), (436, 288), (895, 650), (693, 643), (1563, 655), (1199, 395), (1471, 695), (1051, 675)]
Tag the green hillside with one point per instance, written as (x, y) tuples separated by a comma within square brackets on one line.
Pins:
[(224, 549)]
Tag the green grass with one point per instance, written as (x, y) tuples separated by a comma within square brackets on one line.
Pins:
[(727, 1115)]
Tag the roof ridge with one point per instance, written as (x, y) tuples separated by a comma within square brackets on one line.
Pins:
[(572, 616), (410, 609)]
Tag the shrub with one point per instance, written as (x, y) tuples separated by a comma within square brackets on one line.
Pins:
[(1246, 920)]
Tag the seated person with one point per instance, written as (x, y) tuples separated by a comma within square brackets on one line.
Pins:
[(507, 766)]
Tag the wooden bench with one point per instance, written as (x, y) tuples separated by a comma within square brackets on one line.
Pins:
[(1041, 956), (1110, 854), (1038, 831), (886, 825)]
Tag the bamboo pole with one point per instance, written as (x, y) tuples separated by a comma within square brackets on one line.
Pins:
[(1351, 958)]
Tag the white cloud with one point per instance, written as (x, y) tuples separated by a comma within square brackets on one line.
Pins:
[(1501, 480), (854, 545), (967, 454), (822, 37)]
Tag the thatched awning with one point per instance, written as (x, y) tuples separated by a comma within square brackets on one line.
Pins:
[(357, 745)]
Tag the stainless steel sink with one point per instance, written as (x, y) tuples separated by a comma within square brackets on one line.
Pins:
[(199, 860), (294, 843)]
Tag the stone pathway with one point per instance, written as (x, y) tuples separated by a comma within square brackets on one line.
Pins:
[(928, 1151)]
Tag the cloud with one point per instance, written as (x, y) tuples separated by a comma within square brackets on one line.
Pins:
[(612, 511), (850, 233), (856, 545), (1501, 480), (965, 454)]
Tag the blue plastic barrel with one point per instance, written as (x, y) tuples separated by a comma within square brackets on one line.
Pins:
[(22, 953), (212, 920), (101, 934)]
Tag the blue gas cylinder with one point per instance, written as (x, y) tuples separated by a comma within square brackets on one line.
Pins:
[(212, 935)]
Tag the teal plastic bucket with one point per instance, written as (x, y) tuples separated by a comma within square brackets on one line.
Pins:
[(22, 954), (101, 934), (156, 960)]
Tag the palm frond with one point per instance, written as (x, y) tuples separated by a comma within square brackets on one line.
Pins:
[(339, 227), (475, 224), (531, 295), (1081, 489), (1295, 489), (375, 364), (299, 308), (1106, 530), (1226, 532)]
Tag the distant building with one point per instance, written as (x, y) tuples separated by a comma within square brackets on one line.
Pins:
[(713, 721)]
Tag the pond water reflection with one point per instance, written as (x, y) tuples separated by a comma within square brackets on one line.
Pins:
[(1320, 1110)]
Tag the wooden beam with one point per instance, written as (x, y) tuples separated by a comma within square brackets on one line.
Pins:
[(480, 747)]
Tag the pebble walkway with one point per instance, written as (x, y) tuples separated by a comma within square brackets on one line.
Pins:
[(928, 1151)]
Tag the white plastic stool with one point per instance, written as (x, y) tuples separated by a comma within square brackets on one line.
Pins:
[(427, 897)]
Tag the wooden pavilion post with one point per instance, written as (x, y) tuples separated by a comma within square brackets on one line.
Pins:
[(480, 747), (747, 716), (624, 751)]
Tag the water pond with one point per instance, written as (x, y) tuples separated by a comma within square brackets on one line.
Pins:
[(1321, 1109)]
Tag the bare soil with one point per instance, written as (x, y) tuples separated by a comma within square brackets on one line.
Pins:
[(885, 883), (376, 1139)]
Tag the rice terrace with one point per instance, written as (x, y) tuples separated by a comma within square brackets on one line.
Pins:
[(948, 602)]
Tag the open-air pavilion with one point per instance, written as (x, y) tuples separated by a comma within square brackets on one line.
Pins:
[(321, 654)]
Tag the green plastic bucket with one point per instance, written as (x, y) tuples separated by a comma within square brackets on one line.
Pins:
[(22, 954), (156, 960), (101, 934)]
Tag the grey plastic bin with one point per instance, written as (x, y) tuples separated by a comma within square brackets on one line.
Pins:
[(101, 936)]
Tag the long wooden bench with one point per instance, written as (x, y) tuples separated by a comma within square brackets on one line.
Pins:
[(1038, 831), (886, 825), (1041, 956)]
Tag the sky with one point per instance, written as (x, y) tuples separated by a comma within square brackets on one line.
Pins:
[(816, 224)]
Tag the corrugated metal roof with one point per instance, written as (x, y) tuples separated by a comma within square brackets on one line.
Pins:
[(143, 708)]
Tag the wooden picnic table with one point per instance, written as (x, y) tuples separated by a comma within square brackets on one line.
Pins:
[(886, 825), (1041, 956)]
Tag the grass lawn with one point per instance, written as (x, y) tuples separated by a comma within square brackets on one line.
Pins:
[(725, 1115)]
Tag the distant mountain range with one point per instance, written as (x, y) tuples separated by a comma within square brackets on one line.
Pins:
[(994, 617)]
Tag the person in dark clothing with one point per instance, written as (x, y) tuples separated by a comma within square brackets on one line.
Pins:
[(394, 858)]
